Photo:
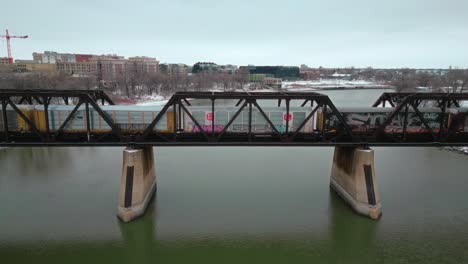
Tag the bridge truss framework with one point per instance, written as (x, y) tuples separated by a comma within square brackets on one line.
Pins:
[(246, 101)]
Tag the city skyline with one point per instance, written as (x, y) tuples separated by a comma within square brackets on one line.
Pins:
[(316, 33)]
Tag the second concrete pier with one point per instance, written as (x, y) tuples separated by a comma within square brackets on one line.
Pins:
[(353, 178)]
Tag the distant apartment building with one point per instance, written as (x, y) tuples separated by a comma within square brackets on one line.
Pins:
[(213, 67), (3, 60), (258, 77), (144, 59), (109, 67), (83, 57), (53, 57), (105, 67), (38, 57), (272, 82), (86, 68), (5, 67), (50, 57), (142, 64), (204, 66), (228, 68), (283, 72), (175, 69), (33, 66)]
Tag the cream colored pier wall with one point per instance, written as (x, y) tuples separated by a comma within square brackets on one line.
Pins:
[(137, 183), (353, 178)]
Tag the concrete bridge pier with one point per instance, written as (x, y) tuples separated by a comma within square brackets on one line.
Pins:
[(137, 183), (353, 179)]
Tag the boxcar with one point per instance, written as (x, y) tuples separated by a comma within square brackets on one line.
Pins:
[(365, 119), (127, 118), (222, 115), (15, 121)]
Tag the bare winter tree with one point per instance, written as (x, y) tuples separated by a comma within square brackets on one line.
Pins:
[(405, 81), (457, 80), (241, 77)]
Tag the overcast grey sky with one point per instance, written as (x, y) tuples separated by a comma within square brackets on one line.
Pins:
[(360, 33)]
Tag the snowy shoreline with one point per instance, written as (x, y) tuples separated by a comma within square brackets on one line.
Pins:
[(332, 84), (154, 100), (460, 150)]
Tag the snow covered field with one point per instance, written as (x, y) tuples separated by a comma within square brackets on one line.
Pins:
[(324, 84), (154, 100)]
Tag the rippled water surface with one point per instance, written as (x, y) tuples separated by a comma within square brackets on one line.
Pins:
[(232, 205)]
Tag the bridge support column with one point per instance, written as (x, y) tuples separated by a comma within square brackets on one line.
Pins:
[(353, 179), (137, 183)]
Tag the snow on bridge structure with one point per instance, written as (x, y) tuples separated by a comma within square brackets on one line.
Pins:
[(90, 118)]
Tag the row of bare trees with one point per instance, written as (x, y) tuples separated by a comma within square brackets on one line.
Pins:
[(23, 81), (136, 84), (129, 84), (454, 81), (166, 84)]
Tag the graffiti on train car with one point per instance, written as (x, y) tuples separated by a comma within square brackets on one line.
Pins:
[(367, 121), (207, 128), (281, 128), (243, 128)]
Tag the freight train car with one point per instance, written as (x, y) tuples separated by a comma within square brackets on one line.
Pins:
[(15, 121), (127, 118), (277, 115), (368, 119), (131, 118), (459, 119)]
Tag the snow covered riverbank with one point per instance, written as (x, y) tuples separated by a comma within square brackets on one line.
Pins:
[(461, 150), (154, 100), (332, 84)]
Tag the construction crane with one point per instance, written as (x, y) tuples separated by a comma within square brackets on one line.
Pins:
[(8, 37)]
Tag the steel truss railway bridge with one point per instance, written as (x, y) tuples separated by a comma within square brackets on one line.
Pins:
[(353, 176), (246, 101)]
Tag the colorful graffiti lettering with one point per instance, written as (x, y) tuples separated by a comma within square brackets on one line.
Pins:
[(366, 121)]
